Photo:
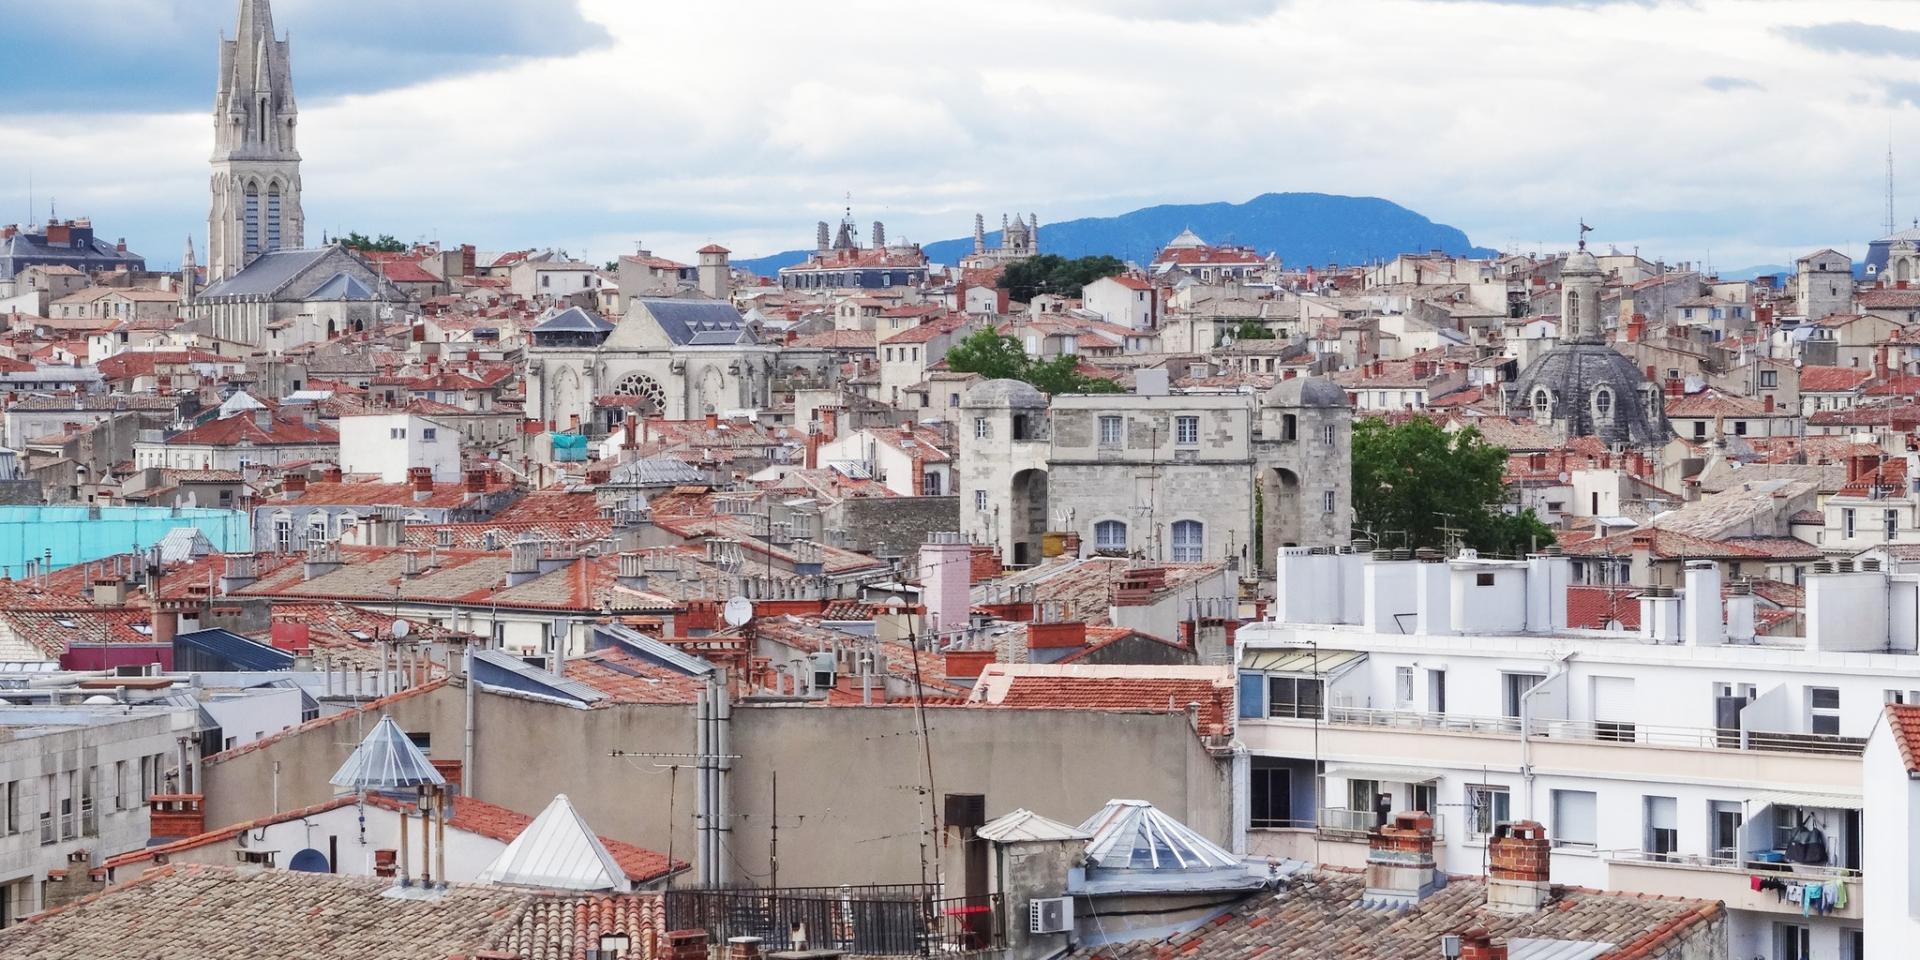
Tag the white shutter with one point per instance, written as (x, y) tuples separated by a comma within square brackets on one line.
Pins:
[(1613, 700)]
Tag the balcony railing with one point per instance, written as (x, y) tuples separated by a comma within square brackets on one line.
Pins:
[(47, 836), (1343, 822), (1653, 735), (1695, 861)]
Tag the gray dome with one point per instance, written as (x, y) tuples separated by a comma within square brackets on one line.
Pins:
[(1580, 262), (1306, 392), (1005, 393), (1573, 374)]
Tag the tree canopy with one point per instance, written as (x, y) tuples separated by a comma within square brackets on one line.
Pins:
[(1415, 478), (1055, 274), (387, 243), (999, 357)]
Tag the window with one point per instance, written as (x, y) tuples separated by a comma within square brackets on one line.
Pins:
[(1270, 796), (546, 280), (397, 433), (1699, 429), (1724, 818), (1327, 502), (1403, 687), (1603, 403), (429, 434), (1739, 428), (1769, 378), (1423, 798), (981, 428), (1823, 710), (1362, 794), (1573, 819), (1189, 541), (1110, 535), (1293, 698), (1487, 807), (932, 484), (121, 800), (1903, 696), (422, 741), (1329, 435), (1542, 405), (1186, 430), (10, 817), (1662, 818), (980, 500), (1893, 523), (283, 532), (1112, 431), (1515, 687), (1846, 522), (1792, 941)]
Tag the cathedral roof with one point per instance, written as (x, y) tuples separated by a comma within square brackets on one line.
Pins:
[(698, 323), (1573, 374)]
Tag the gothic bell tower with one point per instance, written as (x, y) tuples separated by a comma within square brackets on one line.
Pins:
[(256, 168)]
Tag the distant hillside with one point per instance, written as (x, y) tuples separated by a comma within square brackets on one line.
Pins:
[(1303, 228)]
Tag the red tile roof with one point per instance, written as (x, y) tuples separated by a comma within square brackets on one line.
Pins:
[(625, 678), (283, 431), (1831, 379), (1904, 721), (1134, 691)]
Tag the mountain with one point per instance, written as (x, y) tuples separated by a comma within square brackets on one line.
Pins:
[(1748, 273), (1303, 228)]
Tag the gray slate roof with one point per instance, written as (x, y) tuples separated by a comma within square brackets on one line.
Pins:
[(698, 323), (574, 320), (267, 275)]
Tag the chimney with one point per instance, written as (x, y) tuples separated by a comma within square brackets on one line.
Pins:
[(477, 481), (1676, 388), (686, 945), (421, 479), (293, 485), (240, 572), (1701, 606), (109, 592), (1740, 610), (1400, 871), (1519, 858), (292, 635), (632, 572), (415, 564), (1636, 327), (829, 423), (263, 418), (1477, 944), (523, 561), (332, 474), (744, 948)]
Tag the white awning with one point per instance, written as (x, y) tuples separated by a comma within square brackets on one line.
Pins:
[(1301, 661), (1787, 799), (1370, 771)]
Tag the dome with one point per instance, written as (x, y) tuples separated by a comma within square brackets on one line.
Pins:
[(1576, 376), (1005, 393), (1580, 262), (1306, 392)]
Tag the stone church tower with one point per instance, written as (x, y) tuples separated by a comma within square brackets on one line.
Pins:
[(256, 168)]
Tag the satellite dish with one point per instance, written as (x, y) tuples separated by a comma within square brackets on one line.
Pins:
[(309, 861), (738, 611), (400, 629)]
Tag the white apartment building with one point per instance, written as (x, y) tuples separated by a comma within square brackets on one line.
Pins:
[(1688, 759), (392, 444)]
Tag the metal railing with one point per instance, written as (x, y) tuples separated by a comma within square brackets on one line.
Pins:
[(47, 836), (1696, 861), (1343, 821), (895, 920), (1653, 735)]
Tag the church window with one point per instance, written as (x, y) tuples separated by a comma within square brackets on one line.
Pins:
[(652, 395), (1603, 403), (273, 219), (252, 220), (263, 119)]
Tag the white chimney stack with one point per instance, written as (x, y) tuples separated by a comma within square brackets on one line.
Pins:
[(1701, 605)]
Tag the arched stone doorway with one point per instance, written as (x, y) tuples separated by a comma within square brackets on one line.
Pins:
[(1280, 520), (1027, 519)]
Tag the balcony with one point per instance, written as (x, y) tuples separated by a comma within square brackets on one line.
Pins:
[(1456, 742), (1709, 878), (1340, 823)]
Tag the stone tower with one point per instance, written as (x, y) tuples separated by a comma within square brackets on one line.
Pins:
[(1580, 282), (189, 274), (256, 168)]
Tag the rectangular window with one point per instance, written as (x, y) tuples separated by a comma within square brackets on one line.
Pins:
[(1270, 796), (982, 429), (1403, 687), (1293, 698), (1424, 798), (1823, 710), (10, 817), (1769, 378), (1327, 501), (1329, 435), (1662, 818), (1487, 807), (1186, 430), (1792, 941), (1515, 687), (1112, 431), (1846, 522), (429, 434), (1362, 794), (1893, 523), (1574, 813), (980, 500), (121, 800)]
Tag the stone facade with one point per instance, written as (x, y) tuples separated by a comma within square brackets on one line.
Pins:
[(1163, 478), (256, 168)]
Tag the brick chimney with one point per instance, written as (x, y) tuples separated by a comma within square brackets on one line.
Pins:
[(744, 948), (421, 479), (1518, 862), (1400, 870), (293, 485), (1477, 944), (477, 481), (686, 945)]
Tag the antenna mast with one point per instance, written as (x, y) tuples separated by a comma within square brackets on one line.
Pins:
[(1889, 178)]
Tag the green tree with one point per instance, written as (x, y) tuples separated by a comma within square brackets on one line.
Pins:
[(1417, 478), (386, 244), (1052, 273), (1252, 330), (999, 357)]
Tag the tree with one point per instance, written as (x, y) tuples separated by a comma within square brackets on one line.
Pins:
[(386, 244), (1416, 478), (1052, 273), (1252, 330), (999, 357)]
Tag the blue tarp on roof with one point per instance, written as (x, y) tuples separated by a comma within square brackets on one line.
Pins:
[(569, 447)]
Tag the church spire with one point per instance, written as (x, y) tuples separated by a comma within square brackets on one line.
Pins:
[(255, 205)]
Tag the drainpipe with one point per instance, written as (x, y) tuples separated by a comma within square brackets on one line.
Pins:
[(466, 762), (700, 811), (1526, 728), (1242, 809)]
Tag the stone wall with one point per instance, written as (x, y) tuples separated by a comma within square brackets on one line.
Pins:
[(889, 527)]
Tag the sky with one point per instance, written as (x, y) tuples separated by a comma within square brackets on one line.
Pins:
[(1727, 132)]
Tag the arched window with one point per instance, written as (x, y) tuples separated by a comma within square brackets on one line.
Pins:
[(1542, 404), (273, 219), (1110, 535), (1189, 541), (252, 221), (1603, 403), (1571, 322)]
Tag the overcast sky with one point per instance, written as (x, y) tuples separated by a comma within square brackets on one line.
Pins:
[(1740, 131)]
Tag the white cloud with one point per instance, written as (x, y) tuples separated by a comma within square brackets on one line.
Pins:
[(745, 122)]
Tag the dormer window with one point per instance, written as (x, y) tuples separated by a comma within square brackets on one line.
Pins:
[(1603, 403)]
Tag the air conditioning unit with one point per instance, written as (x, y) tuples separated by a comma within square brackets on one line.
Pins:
[(1053, 915)]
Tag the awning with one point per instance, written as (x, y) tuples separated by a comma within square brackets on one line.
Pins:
[(1366, 771), (1301, 662), (1786, 799)]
